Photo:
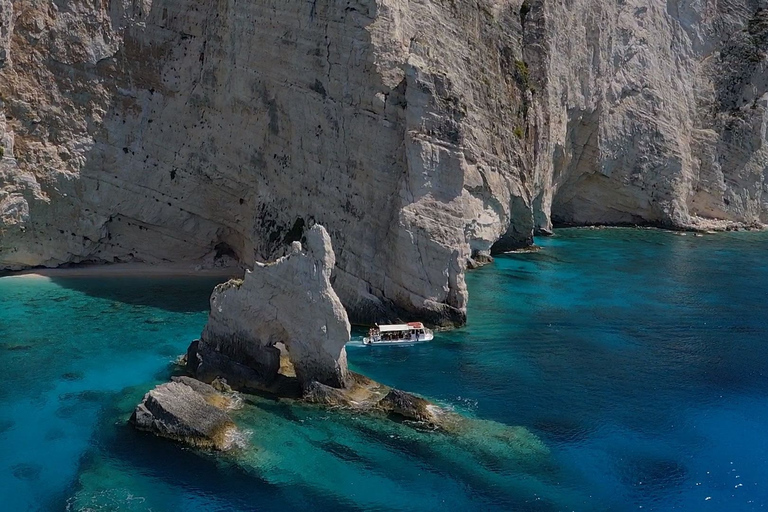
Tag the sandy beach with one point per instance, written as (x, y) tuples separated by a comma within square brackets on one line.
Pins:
[(129, 270)]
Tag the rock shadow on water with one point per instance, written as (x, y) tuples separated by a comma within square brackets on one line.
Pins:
[(486, 455), (373, 448), (345, 453), (503, 465), (561, 430), (179, 295), (26, 471), (126, 465), (650, 476)]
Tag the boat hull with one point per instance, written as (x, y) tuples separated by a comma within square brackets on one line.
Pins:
[(403, 341)]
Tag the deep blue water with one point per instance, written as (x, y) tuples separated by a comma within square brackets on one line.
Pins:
[(614, 369)]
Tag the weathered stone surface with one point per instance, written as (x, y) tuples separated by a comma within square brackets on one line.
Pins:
[(361, 394), (654, 112), (479, 259), (317, 393), (410, 407), (207, 363), (289, 301), (187, 411), (418, 133), (366, 395)]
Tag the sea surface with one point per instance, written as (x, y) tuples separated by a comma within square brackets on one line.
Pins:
[(612, 369)]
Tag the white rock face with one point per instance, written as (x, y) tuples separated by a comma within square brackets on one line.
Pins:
[(418, 132), (654, 112), (289, 301)]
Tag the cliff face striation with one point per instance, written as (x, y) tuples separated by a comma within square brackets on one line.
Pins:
[(420, 133), (654, 113)]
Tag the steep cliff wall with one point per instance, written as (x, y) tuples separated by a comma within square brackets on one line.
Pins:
[(655, 112), (418, 132)]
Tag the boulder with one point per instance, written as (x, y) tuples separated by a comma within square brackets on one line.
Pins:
[(410, 407), (290, 302), (188, 411), (361, 394), (479, 259), (320, 394)]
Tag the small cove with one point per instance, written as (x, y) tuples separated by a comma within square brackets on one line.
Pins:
[(636, 357)]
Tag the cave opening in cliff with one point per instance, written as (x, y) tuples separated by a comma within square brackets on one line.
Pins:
[(224, 250), (296, 232)]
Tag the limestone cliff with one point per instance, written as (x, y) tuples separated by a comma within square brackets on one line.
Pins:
[(418, 132), (654, 112)]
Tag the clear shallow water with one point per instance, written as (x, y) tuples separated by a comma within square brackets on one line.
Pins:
[(633, 360)]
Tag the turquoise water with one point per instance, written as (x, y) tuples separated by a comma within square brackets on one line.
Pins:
[(612, 370)]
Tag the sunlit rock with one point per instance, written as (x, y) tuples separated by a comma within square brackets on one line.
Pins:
[(188, 411), (289, 302)]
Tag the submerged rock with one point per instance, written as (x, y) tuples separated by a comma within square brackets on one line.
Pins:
[(188, 411), (289, 301)]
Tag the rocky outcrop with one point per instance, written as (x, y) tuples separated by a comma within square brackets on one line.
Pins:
[(421, 134), (289, 302), (410, 407), (284, 323), (188, 411), (361, 394), (281, 331), (366, 396)]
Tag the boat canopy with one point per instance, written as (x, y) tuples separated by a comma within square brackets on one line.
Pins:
[(401, 327)]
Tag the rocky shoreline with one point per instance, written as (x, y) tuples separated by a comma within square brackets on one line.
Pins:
[(701, 225)]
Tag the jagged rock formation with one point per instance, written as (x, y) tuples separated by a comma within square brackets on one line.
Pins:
[(188, 411), (289, 302), (419, 132)]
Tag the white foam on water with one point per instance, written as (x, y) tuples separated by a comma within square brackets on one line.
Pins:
[(236, 401), (237, 439)]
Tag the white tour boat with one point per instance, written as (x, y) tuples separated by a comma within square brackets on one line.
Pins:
[(398, 334)]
